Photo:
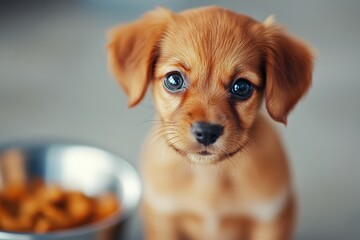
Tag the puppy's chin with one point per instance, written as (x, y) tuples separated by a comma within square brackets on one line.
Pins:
[(203, 159), (196, 153)]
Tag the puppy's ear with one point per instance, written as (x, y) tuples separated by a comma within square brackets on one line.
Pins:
[(288, 69), (133, 50)]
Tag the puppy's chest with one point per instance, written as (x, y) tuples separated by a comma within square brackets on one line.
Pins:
[(213, 202), (196, 191), (213, 197)]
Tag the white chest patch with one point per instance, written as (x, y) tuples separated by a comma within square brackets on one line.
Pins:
[(263, 211), (270, 209)]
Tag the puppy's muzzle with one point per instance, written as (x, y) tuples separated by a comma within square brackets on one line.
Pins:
[(206, 133)]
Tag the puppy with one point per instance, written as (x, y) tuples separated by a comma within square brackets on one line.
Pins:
[(217, 169)]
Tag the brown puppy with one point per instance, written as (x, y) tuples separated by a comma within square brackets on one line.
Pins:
[(217, 169)]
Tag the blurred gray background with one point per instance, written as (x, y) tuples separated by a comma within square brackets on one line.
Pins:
[(54, 84)]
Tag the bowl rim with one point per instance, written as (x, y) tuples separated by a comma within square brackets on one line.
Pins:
[(94, 227)]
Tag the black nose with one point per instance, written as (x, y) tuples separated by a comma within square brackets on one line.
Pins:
[(206, 133)]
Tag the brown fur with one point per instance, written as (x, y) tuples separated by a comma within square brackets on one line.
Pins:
[(212, 47)]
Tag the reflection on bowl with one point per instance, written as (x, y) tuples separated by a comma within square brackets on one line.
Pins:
[(73, 167)]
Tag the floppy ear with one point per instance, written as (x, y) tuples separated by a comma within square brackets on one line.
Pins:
[(133, 50), (288, 69)]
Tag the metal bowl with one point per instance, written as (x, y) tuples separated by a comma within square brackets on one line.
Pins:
[(88, 169)]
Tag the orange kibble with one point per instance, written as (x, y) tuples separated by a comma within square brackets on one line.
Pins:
[(42, 225), (9, 223), (79, 206), (52, 194), (55, 215), (14, 192), (35, 207), (25, 222), (29, 206), (106, 205)]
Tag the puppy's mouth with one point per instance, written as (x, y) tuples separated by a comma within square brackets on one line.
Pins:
[(205, 156), (205, 153)]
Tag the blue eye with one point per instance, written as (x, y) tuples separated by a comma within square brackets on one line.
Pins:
[(174, 82), (242, 89)]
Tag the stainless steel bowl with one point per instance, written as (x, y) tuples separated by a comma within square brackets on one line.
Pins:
[(85, 168)]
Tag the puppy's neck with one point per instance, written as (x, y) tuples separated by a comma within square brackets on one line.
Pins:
[(206, 170)]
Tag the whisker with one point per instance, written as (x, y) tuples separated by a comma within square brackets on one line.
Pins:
[(162, 131)]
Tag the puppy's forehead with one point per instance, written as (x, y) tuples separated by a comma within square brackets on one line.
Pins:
[(215, 41)]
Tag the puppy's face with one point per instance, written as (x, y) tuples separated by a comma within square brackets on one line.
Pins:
[(209, 69), (208, 84)]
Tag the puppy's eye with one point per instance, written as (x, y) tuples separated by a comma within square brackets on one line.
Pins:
[(174, 82), (242, 89)]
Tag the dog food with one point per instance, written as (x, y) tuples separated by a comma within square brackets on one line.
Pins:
[(42, 208)]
